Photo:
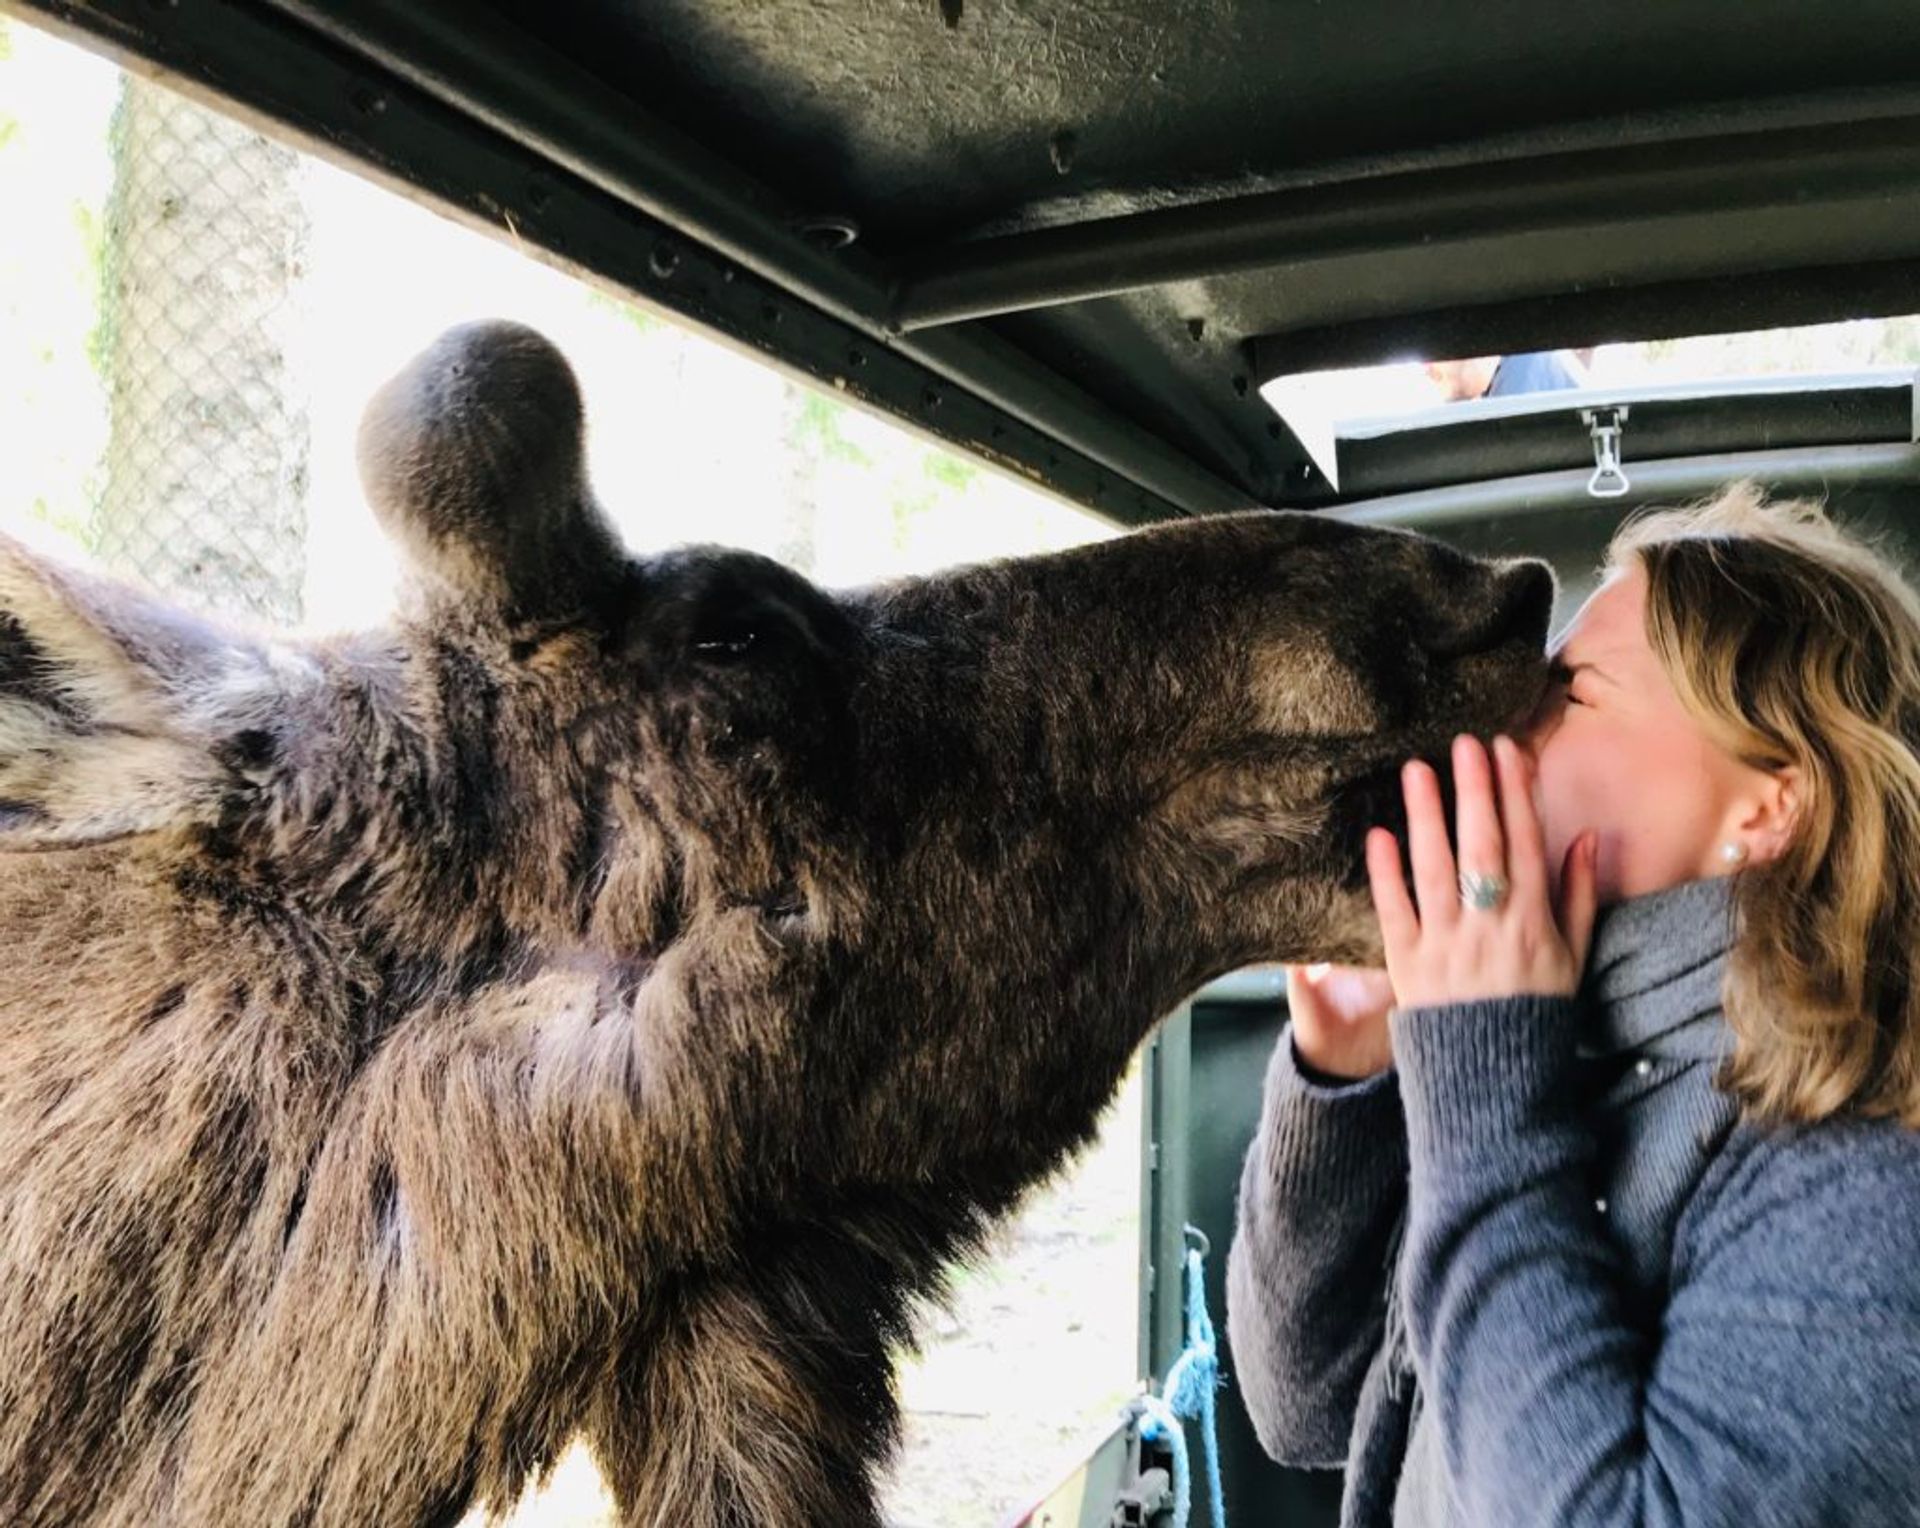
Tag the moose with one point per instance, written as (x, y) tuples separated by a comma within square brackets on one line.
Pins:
[(603, 1003)]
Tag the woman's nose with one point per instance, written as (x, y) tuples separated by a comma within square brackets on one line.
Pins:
[(1533, 733)]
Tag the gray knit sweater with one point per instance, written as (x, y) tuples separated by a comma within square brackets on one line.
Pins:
[(1620, 1306)]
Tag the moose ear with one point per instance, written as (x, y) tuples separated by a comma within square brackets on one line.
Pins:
[(472, 459), (109, 702)]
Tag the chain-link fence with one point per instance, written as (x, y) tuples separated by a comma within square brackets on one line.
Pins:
[(204, 492)]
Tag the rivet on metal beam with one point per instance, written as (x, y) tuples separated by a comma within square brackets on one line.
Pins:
[(828, 232)]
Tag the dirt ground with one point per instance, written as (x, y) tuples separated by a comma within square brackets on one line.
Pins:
[(1038, 1353), (1031, 1362)]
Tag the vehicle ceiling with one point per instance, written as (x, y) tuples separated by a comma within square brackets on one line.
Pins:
[(1097, 225)]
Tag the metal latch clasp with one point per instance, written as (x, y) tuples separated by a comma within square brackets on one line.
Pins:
[(1606, 425)]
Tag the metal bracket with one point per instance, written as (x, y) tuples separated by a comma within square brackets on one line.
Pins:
[(1606, 425), (1148, 1488)]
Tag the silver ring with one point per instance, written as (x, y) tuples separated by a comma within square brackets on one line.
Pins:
[(1483, 893)]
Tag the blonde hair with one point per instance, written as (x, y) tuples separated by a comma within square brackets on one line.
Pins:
[(1797, 645)]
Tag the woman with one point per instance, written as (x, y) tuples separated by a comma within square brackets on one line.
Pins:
[(1654, 1234)]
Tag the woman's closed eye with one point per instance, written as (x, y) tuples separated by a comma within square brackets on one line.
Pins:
[(1563, 679)]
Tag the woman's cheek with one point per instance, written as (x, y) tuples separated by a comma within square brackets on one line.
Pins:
[(1586, 786), (1561, 796)]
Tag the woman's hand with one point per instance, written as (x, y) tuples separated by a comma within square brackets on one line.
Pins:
[(1339, 1018), (1442, 951)]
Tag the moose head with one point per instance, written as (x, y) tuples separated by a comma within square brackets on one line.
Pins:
[(605, 1001)]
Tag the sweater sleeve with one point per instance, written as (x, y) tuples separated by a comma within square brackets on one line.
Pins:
[(1321, 1195), (1783, 1384)]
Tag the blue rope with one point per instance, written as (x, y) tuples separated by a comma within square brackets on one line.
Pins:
[(1188, 1395)]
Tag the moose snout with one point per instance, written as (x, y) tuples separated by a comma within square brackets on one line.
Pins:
[(1489, 607)]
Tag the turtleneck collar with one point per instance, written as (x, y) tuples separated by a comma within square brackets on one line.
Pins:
[(1654, 977)]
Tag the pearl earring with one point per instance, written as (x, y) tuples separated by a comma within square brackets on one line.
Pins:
[(1733, 854)]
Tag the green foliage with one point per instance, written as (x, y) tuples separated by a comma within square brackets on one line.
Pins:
[(949, 470), (9, 125), (74, 526), (92, 228), (907, 508), (1898, 343), (818, 430), (630, 312), (1837, 347)]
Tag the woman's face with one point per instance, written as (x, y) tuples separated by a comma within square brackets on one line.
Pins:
[(1619, 754)]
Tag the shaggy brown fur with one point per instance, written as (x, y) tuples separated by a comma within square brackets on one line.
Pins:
[(603, 1003)]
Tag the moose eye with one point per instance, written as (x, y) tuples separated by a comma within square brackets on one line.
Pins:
[(732, 641)]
